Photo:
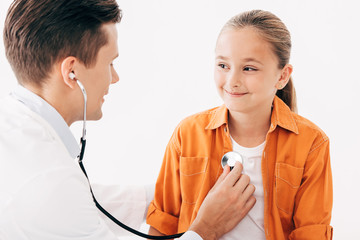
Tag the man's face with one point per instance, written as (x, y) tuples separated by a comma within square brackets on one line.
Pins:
[(98, 77)]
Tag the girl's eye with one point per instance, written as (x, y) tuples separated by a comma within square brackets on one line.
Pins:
[(222, 65), (249, 69)]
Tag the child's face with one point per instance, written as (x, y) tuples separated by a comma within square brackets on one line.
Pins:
[(246, 70)]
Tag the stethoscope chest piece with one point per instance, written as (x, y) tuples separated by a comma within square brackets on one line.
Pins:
[(230, 158)]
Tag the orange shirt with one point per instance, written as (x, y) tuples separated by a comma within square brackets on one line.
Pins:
[(296, 174)]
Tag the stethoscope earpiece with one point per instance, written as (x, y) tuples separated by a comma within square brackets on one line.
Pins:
[(72, 75), (230, 158)]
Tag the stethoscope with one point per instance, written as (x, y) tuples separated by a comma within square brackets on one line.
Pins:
[(80, 158), (229, 158)]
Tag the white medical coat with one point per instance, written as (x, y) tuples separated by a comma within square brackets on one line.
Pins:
[(43, 193)]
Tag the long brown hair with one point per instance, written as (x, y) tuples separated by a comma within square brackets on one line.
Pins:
[(274, 31)]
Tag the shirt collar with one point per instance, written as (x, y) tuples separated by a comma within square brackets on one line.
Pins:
[(49, 113), (281, 116), (219, 118)]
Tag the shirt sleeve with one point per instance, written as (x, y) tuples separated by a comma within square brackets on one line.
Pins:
[(165, 208), (315, 197)]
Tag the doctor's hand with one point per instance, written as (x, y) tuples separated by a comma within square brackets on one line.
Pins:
[(226, 204)]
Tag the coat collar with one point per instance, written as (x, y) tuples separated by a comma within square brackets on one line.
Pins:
[(49, 113)]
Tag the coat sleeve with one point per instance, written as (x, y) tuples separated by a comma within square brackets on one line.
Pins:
[(126, 203), (313, 202), (164, 210), (56, 205)]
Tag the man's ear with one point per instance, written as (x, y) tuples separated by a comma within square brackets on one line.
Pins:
[(285, 76), (67, 67)]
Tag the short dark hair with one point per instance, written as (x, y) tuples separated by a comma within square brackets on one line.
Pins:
[(39, 33)]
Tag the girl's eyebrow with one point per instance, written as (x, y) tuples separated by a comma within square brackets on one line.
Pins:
[(252, 60), (249, 59), (222, 57)]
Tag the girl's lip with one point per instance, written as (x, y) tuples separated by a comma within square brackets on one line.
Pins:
[(235, 93)]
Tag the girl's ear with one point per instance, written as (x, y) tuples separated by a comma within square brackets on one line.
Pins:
[(285, 76), (67, 67)]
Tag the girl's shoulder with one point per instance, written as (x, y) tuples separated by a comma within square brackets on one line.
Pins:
[(204, 118), (309, 132), (305, 124)]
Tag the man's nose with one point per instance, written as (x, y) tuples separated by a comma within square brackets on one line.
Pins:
[(115, 77)]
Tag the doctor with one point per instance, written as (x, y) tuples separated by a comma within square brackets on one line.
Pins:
[(51, 45)]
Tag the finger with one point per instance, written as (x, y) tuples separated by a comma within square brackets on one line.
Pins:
[(247, 195), (222, 176), (248, 192), (242, 183), (234, 175), (250, 204), (243, 207), (226, 170)]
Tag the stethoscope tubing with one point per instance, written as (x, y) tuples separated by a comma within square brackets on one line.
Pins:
[(111, 217)]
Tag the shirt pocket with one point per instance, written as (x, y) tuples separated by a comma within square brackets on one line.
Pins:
[(287, 182), (192, 174)]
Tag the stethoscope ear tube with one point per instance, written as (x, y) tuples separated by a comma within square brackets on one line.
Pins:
[(83, 144), (83, 91)]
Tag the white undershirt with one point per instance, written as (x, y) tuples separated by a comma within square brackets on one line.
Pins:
[(252, 225)]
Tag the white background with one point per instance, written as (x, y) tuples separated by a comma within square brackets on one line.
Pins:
[(166, 73)]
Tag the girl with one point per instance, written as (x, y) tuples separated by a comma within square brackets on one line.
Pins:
[(285, 155)]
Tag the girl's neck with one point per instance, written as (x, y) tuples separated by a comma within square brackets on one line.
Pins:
[(249, 129)]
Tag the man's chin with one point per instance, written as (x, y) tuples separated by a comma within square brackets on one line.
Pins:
[(96, 116)]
